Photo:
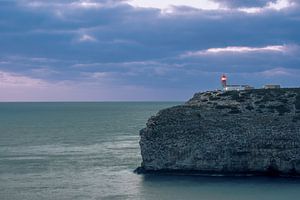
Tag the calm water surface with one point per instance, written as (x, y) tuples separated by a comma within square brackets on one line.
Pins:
[(89, 150)]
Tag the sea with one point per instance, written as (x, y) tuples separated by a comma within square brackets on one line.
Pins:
[(90, 150)]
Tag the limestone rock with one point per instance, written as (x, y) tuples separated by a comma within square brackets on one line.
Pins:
[(236, 132)]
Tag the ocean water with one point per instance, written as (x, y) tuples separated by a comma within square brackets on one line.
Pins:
[(89, 151)]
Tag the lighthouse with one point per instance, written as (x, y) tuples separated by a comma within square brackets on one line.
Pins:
[(227, 87), (224, 81)]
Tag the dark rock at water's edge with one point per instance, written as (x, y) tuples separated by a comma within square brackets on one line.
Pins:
[(270, 173), (234, 133)]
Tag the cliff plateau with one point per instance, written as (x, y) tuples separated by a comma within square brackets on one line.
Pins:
[(251, 132)]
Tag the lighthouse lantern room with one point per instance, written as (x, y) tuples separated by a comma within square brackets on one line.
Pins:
[(224, 80)]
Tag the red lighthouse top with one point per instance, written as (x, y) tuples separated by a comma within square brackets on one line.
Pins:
[(224, 80)]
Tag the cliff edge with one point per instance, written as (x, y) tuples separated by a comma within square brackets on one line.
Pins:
[(251, 132)]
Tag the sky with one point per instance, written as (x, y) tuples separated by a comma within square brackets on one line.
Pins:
[(144, 50)]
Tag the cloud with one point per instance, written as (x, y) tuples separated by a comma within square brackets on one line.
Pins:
[(256, 6), (244, 3), (16, 87), (203, 4), (99, 75), (86, 4), (87, 38), (16, 80), (238, 50), (281, 72), (67, 4), (115, 47), (277, 6)]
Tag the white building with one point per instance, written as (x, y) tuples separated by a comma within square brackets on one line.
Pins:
[(237, 87), (270, 86)]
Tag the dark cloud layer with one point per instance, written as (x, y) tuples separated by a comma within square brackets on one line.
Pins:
[(111, 44), (244, 3)]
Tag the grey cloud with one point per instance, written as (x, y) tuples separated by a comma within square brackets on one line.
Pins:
[(244, 3)]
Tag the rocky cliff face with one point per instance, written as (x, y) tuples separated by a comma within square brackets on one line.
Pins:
[(246, 132)]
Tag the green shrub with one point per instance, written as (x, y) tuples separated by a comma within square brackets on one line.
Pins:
[(267, 98), (224, 94), (234, 110), (272, 110), (213, 98), (223, 107), (235, 95), (297, 102), (261, 106), (242, 99), (281, 109), (296, 118), (257, 102), (249, 107), (283, 100), (259, 111), (259, 92)]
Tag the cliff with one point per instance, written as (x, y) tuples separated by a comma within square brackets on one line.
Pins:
[(229, 133)]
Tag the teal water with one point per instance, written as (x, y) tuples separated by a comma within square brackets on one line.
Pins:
[(89, 150)]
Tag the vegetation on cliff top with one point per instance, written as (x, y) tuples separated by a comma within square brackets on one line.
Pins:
[(280, 101)]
